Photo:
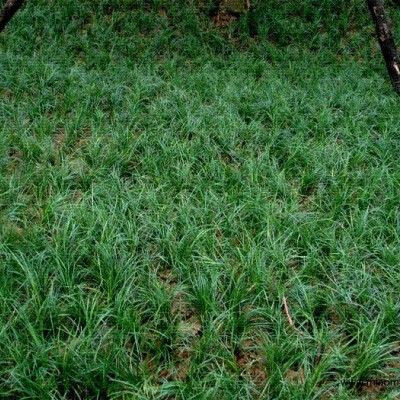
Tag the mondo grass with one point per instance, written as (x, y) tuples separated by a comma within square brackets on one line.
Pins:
[(164, 185)]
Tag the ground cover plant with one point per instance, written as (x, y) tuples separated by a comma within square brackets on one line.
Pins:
[(165, 183)]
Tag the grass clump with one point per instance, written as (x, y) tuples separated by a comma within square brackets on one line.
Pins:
[(161, 190)]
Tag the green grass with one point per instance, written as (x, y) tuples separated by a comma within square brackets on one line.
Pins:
[(163, 185)]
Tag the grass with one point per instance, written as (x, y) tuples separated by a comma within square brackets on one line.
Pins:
[(163, 185)]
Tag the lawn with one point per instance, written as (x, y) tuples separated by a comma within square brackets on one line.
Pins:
[(167, 184)]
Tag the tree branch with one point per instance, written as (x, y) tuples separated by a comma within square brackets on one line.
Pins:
[(386, 41)]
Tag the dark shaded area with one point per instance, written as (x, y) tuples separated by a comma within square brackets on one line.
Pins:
[(9, 9)]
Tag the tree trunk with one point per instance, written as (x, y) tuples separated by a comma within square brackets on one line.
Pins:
[(9, 9), (386, 41)]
